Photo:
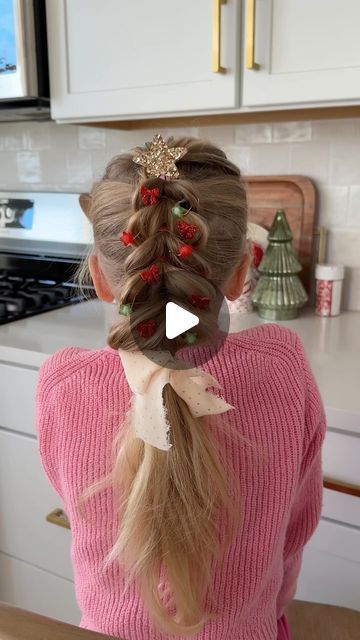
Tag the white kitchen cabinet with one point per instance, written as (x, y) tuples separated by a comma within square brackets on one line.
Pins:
[(330, 571), (111, 58), (14, 414), (26, 497), (303, 52), (28, 587)]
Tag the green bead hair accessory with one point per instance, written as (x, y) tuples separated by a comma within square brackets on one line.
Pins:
[(125, 309), (190, 338), (179, 211)]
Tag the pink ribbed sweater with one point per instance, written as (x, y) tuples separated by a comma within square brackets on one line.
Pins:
[(82, 396)]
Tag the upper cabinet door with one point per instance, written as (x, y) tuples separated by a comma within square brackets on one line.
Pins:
[(301, 51), (112, 58)]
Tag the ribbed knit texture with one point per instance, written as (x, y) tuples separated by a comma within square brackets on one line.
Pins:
[(82, 397)]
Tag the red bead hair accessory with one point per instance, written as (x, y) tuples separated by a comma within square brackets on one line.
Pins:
[(185, 251), (186, 230), (200, 302), (149, 196), (127, 238), (146, 329), (150, 275)]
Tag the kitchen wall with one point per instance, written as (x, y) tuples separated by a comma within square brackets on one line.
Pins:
[(50, 157)]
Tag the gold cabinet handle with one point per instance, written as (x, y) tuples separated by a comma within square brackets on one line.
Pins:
[(342, 487), (59, 517), (250, 35), (216, 37)]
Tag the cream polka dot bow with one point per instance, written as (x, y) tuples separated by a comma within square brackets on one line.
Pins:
[(148, 376)]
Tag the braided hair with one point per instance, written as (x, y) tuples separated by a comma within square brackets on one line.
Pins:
[(169, 501)]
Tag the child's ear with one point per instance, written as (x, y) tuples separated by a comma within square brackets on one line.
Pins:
[(236, 282), (85, 203), (102, 287)]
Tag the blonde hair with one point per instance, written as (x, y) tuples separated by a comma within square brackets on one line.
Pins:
[(170, 502)]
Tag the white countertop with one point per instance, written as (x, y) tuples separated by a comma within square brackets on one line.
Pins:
[(332, 346)]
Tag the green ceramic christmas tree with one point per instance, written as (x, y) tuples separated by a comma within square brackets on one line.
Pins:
[(279, 293)]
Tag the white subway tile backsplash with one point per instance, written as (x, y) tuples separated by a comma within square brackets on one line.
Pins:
[(38, 136), (118, 141), (99, 160), (345, 161), (351, 289), (79, 169), (333, 202), (29, 166), (47, 156), (173, 132), (310, 159), (253, 133), (91, 138), (9, 178), (54, 170), (354, 206), (335, 129), (239, 156), (269, 159), (64, 138), (343, 246), (223, 135), (291, 131), (13, 137)]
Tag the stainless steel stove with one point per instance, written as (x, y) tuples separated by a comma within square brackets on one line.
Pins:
[(43, 237)]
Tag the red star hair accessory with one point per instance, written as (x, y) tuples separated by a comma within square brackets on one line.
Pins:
[(127, 238), (146, 329), (186, 230), (185, 251), (200, 302), (149, 196), (150, 275)]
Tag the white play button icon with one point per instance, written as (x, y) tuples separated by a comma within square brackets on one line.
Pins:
[(178, 320)]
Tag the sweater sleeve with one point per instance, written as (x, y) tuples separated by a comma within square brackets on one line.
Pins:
[(307, 504), (47, 402), (46, 428)]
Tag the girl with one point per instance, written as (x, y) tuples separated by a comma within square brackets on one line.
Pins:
[(188, 512)]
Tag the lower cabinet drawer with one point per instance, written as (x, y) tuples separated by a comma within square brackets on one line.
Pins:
[(25, 500), (17, 382), (341, 455), (342, 507), (330, 571), (29, 587)]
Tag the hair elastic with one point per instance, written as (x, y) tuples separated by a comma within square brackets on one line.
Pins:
[(126, 237), (186, 230), (185, 250), (150, 275), (149, 196), (179, 211), (125, 309), (146, 329), (200, 302), (190, 338)]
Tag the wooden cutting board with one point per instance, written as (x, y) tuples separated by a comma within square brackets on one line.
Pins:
[(297, 196)]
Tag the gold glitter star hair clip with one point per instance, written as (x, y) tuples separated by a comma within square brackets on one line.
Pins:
[(159, 159)]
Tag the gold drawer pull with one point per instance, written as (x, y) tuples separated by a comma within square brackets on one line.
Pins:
[(59, 517), (342, 487), (216, 37), (250, 35)]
